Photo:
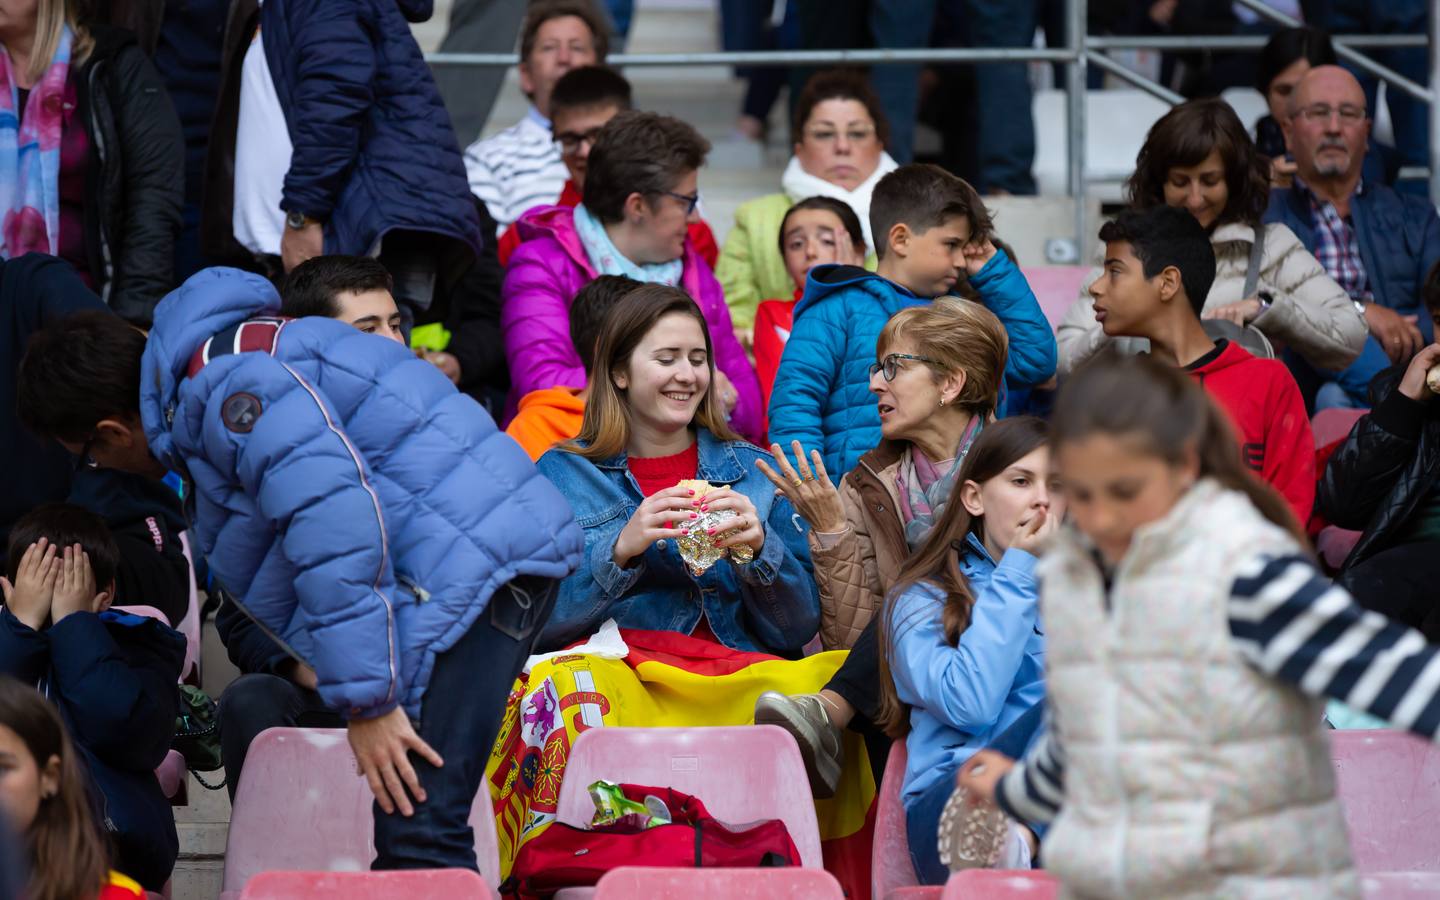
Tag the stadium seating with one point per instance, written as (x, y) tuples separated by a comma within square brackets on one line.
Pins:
[(450, 884), (630, 882), (1001, 884), (891, 871), (1389, 784), (1056, 288)]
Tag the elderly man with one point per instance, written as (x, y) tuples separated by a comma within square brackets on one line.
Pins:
[(1379, 245)]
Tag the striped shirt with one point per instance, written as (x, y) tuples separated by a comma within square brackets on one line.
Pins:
[(517, 169), (1290, 622)]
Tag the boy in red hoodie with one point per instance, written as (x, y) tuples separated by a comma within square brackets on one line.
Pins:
[(1158, 269)]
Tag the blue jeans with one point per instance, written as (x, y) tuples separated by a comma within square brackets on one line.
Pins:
[(1350, 386), (922, 818), (1005, 131), (460, 718)]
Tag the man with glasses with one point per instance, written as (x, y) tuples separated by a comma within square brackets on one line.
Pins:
[(1376, 243)]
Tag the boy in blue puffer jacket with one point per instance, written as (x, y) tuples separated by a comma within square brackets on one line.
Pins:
[(931, 229), (361, 511)]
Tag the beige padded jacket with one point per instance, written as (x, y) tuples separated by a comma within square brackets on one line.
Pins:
[(1311, 312)]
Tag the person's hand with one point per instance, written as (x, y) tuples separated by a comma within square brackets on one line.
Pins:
[(811, 493), (727, 393), (1241, 312), (977, 254), (1414, 385), (296, 672), (982, 772), (1032, 536), (655, 520), (745, 529), (30, 596), (1399, 336), (382, 746), (300, 244), (445, 362), (1282, 172), (75, 588), (845, 254)]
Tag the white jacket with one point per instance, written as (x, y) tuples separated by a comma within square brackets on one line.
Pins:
[(1188, 772), (1311, 313)]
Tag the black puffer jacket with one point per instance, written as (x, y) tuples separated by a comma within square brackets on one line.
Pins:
[(1384, 469), (136, 175)]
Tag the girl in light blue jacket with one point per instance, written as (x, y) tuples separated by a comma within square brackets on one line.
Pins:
[(962, 651)]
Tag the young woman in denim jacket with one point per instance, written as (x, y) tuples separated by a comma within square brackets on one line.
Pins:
[(652, 421)]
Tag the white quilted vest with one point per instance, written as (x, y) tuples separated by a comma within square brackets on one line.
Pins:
[(1188, 772)]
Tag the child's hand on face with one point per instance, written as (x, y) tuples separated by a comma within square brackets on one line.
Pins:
[(1033, 535), (982, 773), (30, 597), (977, 254), (845, 252), (75, 588)]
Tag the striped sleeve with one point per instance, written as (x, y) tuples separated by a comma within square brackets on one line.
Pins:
[(1034, 790), (1292, 623)]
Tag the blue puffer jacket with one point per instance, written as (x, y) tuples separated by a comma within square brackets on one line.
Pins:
[(822, 389), (373, 146), (358, 507)]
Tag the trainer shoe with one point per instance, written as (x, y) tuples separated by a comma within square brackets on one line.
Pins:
[(804, 717)]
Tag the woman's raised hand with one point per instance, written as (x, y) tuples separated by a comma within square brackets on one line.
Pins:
[(810, 492), (655, 520)]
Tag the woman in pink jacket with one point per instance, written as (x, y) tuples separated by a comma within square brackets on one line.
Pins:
[(640, 196)]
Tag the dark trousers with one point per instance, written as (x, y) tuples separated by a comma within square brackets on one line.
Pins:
[(858, 681), (460, 718), (1399, 583), (253, 703)]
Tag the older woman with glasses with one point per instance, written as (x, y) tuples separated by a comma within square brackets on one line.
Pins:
[(840, 133), (639, 199)]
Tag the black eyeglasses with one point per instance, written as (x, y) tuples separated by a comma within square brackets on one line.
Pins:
[(570, 141), (890, 364), (690, 200), (84, 460)]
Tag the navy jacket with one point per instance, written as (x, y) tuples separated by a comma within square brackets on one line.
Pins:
[(373, 146), (114, 678)]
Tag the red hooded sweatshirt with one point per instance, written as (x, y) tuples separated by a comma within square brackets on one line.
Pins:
[(1268, 413)]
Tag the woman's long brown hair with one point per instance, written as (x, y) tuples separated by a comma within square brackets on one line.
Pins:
[(937, 562), (69, 858), (605, 429)]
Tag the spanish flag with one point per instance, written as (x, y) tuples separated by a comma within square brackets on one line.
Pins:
[(664, 679)]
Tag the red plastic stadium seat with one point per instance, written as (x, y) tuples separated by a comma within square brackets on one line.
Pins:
[(1389, 785), (631, 882), (1001, 884), (1057, 288), (742, 774), (1401, 886), (301, 807), (419, 884), (1331, 425), (890, 865)]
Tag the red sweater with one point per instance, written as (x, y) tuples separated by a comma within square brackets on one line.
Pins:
[(1268, 414)]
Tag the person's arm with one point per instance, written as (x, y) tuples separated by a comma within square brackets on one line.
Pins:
[(736, 274), (1078, 335), (965, 686), (782, 603), (747, 418), (1364, 468), (24, 651), (1005, 292), (846, 574), (1034, 790), (1310, 313), (809, 374), (153, 570), (1289, 462), (475, 339), (1290, 622), (535, 322), (247, 644), (152, 154)]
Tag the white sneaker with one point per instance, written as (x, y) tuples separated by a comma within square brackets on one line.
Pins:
[(805, 718)]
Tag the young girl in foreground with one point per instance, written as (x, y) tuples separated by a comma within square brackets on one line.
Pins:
[(43, 797), (963, 655), (1189, 639)]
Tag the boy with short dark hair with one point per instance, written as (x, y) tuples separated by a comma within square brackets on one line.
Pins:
[(1158, 268), (931, 232), (113, 675), (353, 289), (551, 415)]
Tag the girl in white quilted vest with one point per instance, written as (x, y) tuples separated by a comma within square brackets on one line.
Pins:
[(1190, 644)]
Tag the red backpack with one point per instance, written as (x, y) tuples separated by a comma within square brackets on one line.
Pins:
[(566, 856)]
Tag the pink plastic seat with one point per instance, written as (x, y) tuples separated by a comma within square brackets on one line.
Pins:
[(1331, 425), (1000, 884), (301, 807), (742, 774), (1389, 786), (631, 882), (1057, 288), (171, 776), (190, 624), (1334, 544), (451, 884), (1401, 886), (890, 865)]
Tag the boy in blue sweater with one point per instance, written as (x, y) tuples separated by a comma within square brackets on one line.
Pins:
[(931, 233)]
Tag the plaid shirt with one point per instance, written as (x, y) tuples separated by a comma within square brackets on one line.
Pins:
[(1336, 246)]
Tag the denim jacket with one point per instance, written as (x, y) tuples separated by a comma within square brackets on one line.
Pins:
[(769, 605)]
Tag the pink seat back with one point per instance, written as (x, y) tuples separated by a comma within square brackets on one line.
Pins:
[(1000, 884), (1331, 425), (190, 624), (742, 774), (144, 612), (1389, 785), (631, 882), (1057, 288), (1401, 886), (171, 774), (890, 865), (451, 884), (300, 806)]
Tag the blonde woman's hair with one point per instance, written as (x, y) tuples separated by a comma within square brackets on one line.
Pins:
[(605, 429), (50, 18), (962, 336)]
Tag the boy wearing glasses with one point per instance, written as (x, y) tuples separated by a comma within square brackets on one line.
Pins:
[(933, 238), (1378, 244)]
